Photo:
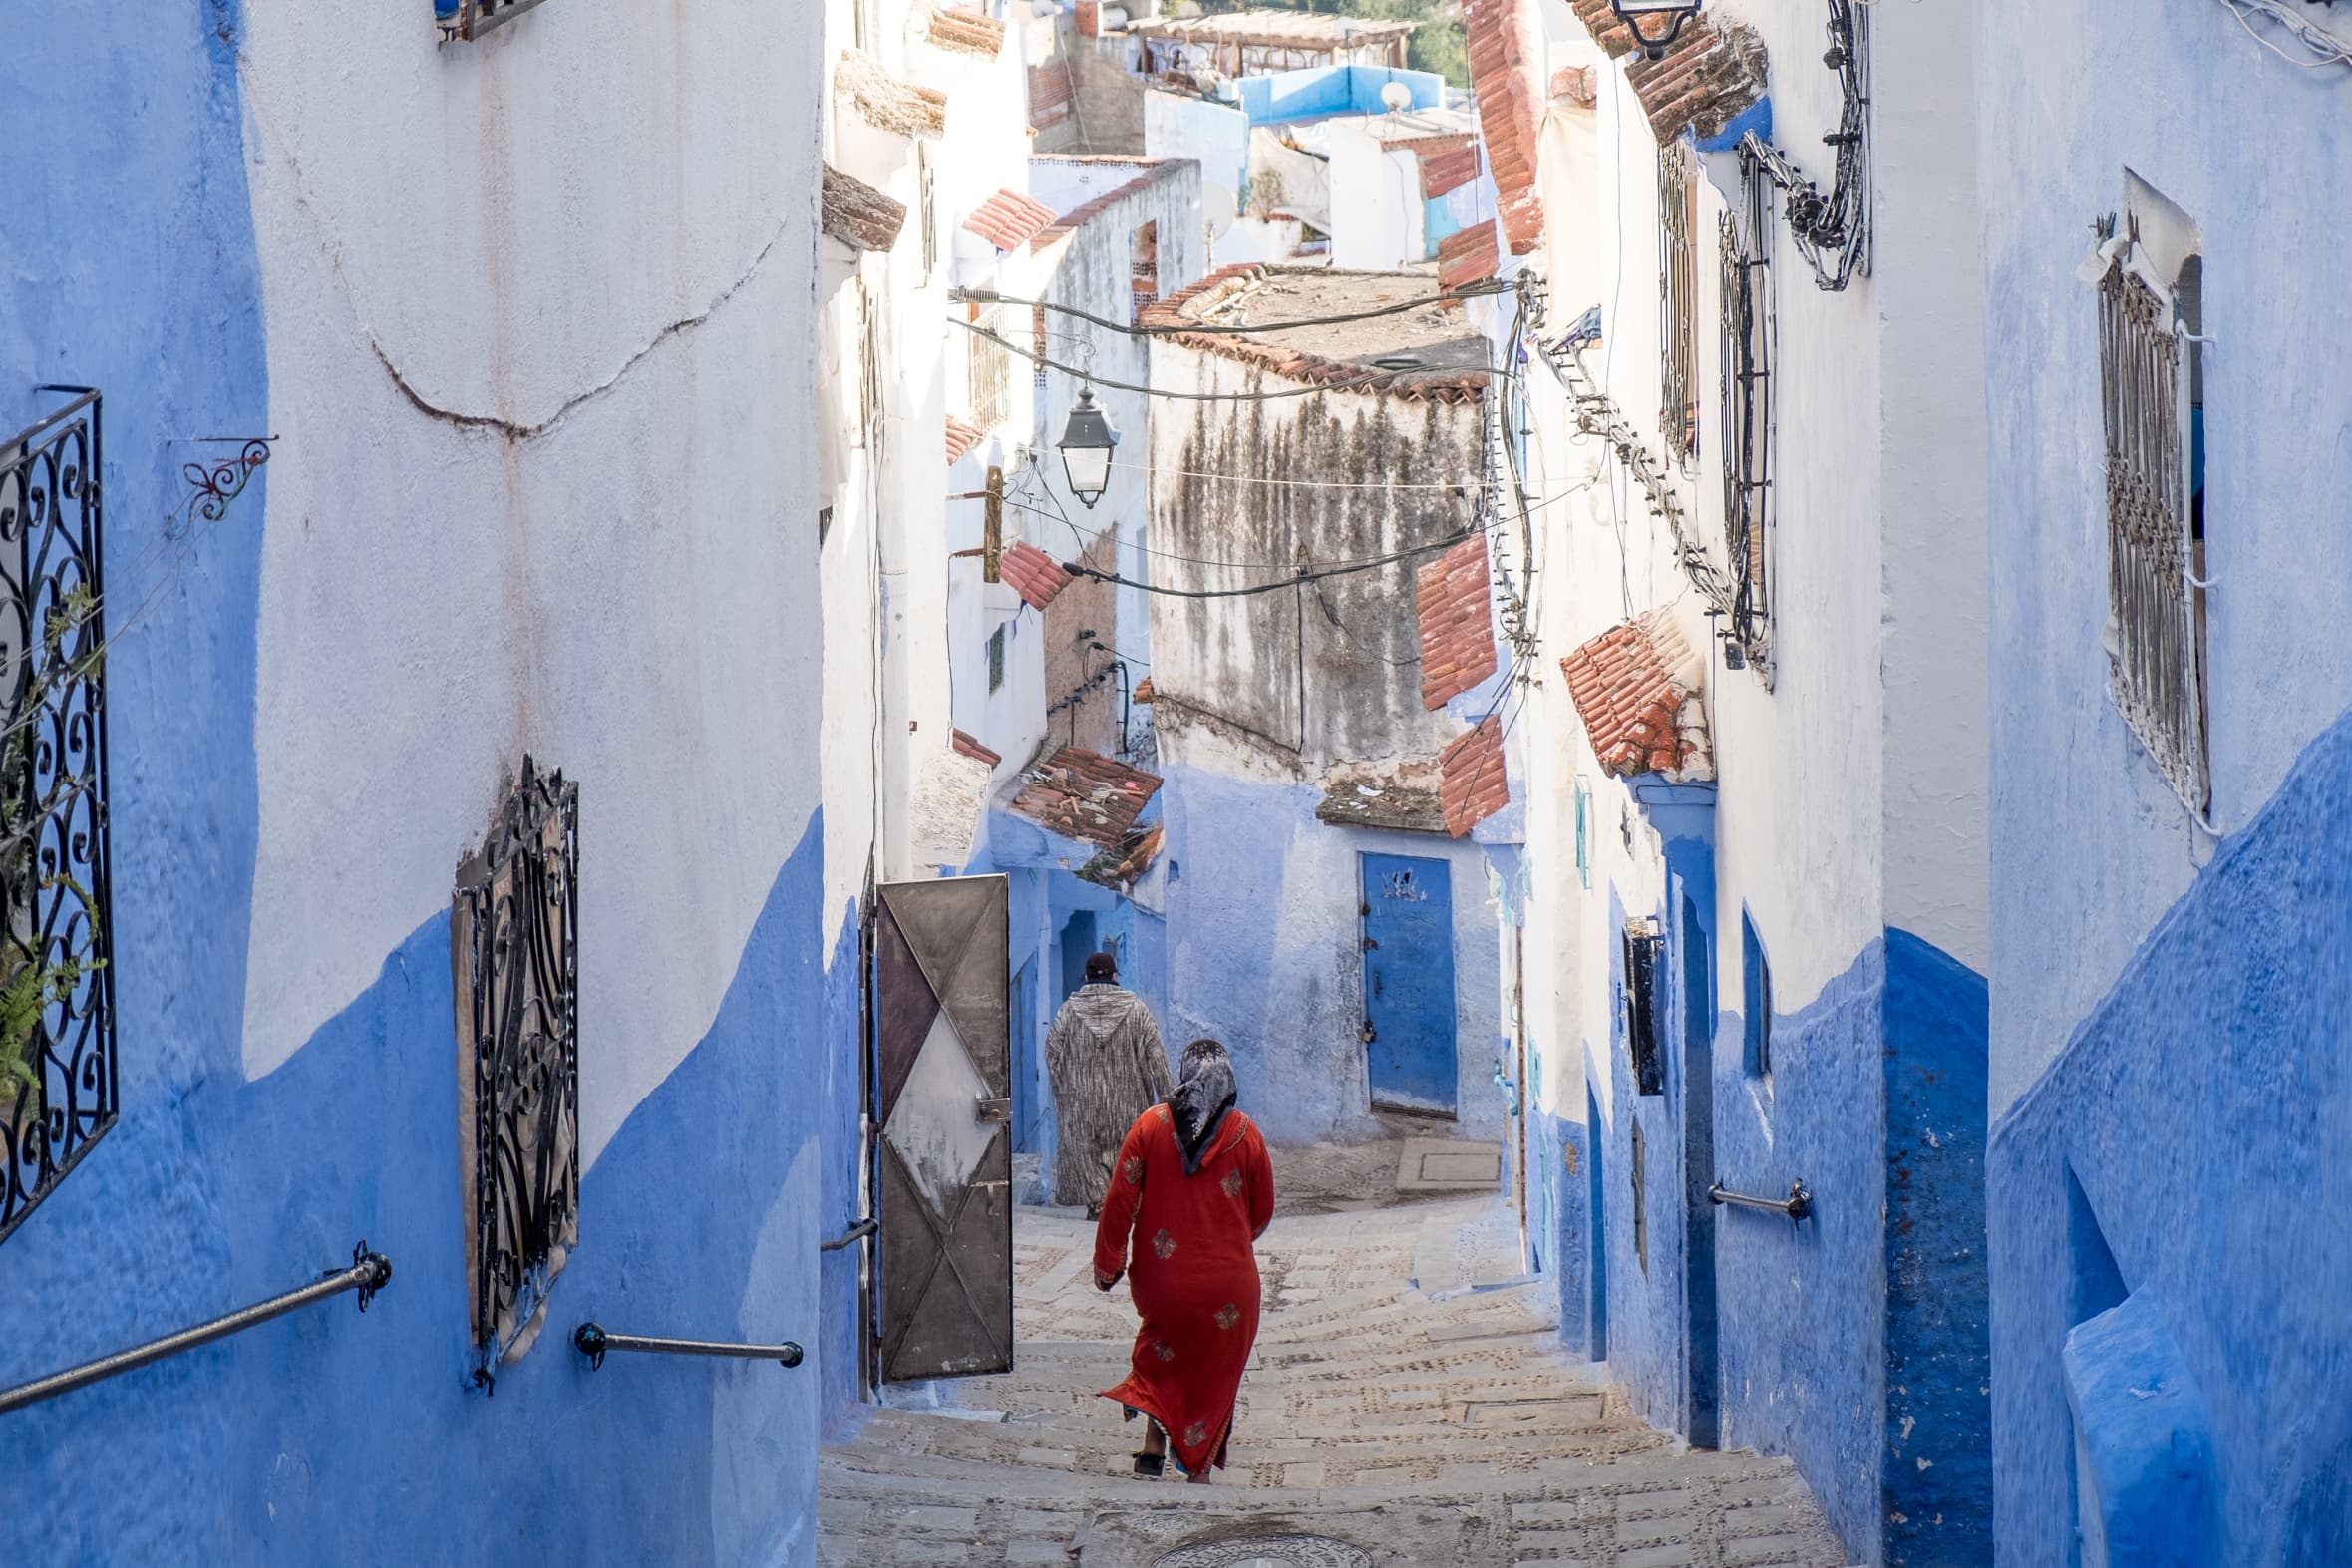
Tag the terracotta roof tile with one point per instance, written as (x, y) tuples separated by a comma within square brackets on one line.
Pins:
[(1401, 799), (965, 746), (1475, 783), (1086, 795), (1169, 315), (1577, 85), (1443, 172), (1709, 78), (1143, 692), (1008, 220), (1502, 75), (887, 103), (1469, 256), (1273, 29), (1452, 598), (953, 27), (856, 215), (1126, 860), (1033, 574), (960, 436), (1637, 688)]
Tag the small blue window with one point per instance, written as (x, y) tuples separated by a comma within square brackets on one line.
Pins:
[(1583, 833), (1756, 1005)]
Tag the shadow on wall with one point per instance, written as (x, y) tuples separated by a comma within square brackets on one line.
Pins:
[(326, 1427), (2198, 1110)]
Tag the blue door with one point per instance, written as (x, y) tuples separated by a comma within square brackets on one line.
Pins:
[(1408, 940)]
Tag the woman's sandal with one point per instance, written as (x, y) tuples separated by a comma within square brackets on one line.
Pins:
[(1151, 1465)]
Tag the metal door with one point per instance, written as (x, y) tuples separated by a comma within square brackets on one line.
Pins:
[(1408, 912), (944, 1162)]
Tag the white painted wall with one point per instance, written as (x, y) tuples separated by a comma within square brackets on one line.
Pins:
[(531, 520), (1379, 222)]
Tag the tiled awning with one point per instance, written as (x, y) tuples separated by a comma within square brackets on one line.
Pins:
[(1084, 795), (1008, 220), (856, 215), (1636, 687), (1451, 599), (1476, 782), (1033, 575)]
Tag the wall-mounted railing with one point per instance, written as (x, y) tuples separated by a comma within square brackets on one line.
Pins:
[(850, 1237), (1795, 1206), (369, 1273), (592, 1341)]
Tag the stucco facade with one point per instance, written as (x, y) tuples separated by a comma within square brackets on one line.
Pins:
[(2168, 995)]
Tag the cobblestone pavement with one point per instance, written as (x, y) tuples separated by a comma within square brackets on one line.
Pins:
[(1408, 1405)]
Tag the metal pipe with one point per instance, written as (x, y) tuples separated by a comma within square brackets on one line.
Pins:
[(856, 1233), (591, 1340), (369, 1273), (1797, 1206)]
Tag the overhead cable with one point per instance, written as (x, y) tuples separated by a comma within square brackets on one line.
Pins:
[(1479, 290), (1369, 377)]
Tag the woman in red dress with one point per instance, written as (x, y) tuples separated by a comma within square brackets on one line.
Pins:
[(1195, 1188)]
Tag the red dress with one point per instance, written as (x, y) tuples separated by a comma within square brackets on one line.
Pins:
[(1193, 1274)]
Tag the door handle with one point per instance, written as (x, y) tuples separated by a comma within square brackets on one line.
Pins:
[(1370, 1034), (987, 1109)]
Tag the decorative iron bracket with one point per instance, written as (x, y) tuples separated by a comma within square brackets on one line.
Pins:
[(1797, 1206), (213, 485), (369, 1273), (591, 1340)]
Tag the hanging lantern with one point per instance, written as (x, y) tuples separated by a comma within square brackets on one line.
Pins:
[(1086, 450), (1655, 23)]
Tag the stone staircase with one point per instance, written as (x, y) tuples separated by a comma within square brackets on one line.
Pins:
[(1408, 1405)]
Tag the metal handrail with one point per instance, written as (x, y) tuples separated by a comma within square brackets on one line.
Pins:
[(1797, 1206), (591, 1340), (856, 1233), (369, 1273)]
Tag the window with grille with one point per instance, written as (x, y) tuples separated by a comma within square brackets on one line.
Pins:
[(462, 20), (2152, 394), (58, 1084), (928, 209), (996, 643), (1644, 943), (1143, 265), (1638, 1179), (991, 370), (1678, 201), (1583, 833), (868, 409), (1749, 325)]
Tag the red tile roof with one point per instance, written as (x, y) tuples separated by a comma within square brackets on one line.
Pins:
[(1578, 84), (960, 436), (1503, 74), (1033, 574), (1086, 795), (1636, 687), (1469, 256), (856, 215), (1143, 692), (1169, 315), (1149, 171), (1121, 865), (1709, 78), (1475, 783), (965, 746), (1008, 220), (953, 27), (1456, 622), (1443, 173)]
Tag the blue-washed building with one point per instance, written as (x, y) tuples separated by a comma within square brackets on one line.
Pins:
[(1754, 910), (1325, 904), (2171, 762), (417, 829)]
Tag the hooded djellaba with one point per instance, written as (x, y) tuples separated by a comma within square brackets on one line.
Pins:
[(1108, 1066)]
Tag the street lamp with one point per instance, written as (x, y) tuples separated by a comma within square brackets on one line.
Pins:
[(1669, 14), (1086, 450)]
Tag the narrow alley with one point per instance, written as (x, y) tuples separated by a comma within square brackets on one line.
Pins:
[(1408, 1403)]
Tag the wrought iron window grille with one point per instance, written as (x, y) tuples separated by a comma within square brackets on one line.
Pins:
[(462, 21), (1637, 1179), (515, 952), (213, 483), (1678, 200), (1645, 944), (990, 369), (1750, 324), (2155, 543), (1832, 232), (58, 1092)]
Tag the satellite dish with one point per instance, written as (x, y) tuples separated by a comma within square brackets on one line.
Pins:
[(1398, 96), (1218, 209)]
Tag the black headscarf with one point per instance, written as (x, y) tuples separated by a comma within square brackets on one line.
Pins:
[(1201, 1098)]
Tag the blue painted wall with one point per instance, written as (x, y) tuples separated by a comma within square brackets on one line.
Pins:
[(128, 262), (2203, 1108), (1332, 90)]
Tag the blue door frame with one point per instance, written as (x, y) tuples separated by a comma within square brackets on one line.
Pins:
[(1409, 1011)]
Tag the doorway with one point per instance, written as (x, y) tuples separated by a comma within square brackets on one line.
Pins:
[(1408, 950)]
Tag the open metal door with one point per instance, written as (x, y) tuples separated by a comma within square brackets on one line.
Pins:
[(943, 1163)]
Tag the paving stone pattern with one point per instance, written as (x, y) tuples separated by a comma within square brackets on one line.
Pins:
[(1406, 1401)]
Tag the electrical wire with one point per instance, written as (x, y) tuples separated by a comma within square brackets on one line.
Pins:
[(1317, 485), (2327, 49), (1296, 579), (1007, 344), (1477, 290)]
